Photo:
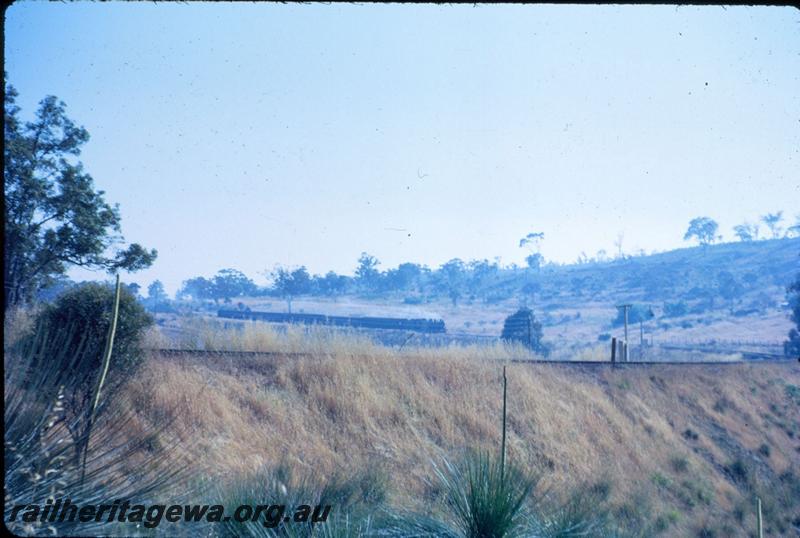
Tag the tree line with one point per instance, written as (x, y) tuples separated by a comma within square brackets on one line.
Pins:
[(452, 279), (705, 229)]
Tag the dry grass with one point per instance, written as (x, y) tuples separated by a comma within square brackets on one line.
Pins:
[(210, 334), (355, 404)]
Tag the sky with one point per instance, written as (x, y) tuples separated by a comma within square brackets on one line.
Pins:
[(254, 135)]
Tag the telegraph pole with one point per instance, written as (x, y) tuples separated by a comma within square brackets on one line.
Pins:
[(626, 307)]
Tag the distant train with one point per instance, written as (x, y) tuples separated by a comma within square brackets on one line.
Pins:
[(399, 324)]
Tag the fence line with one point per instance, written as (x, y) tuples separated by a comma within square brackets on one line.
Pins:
[(169, 352)]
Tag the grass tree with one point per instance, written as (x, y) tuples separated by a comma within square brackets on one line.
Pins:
[(46, 462)]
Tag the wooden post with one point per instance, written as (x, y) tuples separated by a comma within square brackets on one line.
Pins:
[(503, 446), (613, 350), (758, 518)]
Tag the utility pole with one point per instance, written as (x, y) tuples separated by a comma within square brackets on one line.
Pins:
[(626, 307), (641, 339)]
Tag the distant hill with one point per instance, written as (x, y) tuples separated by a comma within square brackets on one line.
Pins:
[(729, 291), (749, 275)]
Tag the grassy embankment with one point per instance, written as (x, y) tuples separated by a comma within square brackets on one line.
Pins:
[(682, 449)]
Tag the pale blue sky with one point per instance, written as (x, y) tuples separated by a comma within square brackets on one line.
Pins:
[(248, 135)]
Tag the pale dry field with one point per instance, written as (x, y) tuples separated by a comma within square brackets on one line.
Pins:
[(564, 329)]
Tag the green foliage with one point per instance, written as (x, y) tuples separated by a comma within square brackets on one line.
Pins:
[(690, 434), (793, 393), (522, 327), (452, 277), (289, 284), (40, 445), (532, 242), (156, 294), (229, 283), (741, 472), (198, 288), (746, 231), (367, 274), (534, 260), (704, 229), (660, 480), (727, 286), (85, 310), (331, 284), (772, 220), (88, 308), (54, 218), (679, 464), (225, 285), (482, 500)]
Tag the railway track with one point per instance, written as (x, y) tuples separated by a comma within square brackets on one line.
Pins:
[(746, 354), (747, 358)]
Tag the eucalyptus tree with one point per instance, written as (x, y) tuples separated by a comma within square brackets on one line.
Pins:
[(54, 217)]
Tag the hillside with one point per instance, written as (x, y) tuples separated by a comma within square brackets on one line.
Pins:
[(673, 450), (729, 291)]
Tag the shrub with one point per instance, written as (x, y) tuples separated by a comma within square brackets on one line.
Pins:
[(793, 393), (660, 524), (485, 502), (690, 434), (740, 472), (70, 338), (722, 404), (660, 480), (87, 310), (42, 459), (522, 327), (679, 464), (602, 488)]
